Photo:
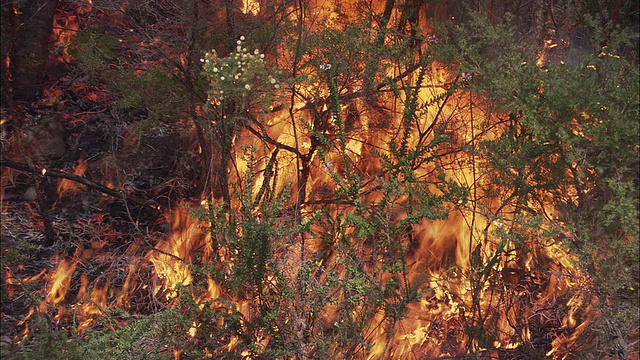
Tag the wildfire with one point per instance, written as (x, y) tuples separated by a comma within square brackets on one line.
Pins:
[(468, 271)]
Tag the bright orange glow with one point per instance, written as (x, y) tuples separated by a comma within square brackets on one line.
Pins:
[(60, 281), (70, 187), (64, 30), (172, 257), (250, 6)]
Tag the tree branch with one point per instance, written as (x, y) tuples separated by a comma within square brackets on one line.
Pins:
[(73, 177)]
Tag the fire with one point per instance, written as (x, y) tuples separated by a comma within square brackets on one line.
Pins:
[(171, 259), (61, 280), (70, 187), (250, 6), (472, 286), (14, 281), (64, 30)]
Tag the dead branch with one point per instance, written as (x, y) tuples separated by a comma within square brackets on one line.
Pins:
[(43, 171)]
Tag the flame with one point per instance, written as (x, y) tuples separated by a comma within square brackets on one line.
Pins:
[(250, 6), (441, 246), (65, 27), (70, 187), (61, 280), (172, 257), (177, 353), (14, 281), (457, 264)]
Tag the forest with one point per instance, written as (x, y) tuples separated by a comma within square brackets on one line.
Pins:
[(320, 179)]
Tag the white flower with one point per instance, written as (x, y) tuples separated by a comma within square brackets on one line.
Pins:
[(201, 60), (261, 56), (238, 42), (239, 48), (272, 80), (215, 69), (244, 49), (247, 86), (256, 52), (277, 86), (242, 37), (222, 78)]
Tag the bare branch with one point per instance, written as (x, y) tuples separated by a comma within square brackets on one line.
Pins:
[(73, 177)]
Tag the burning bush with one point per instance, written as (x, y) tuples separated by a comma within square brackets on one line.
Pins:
[(454, 197)]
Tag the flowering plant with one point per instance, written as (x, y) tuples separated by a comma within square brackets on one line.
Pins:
[(237, 75)]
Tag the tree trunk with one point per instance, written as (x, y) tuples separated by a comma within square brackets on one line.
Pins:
[(8, 25), (31, 48)]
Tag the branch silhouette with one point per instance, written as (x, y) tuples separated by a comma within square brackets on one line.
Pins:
[(43, 171)]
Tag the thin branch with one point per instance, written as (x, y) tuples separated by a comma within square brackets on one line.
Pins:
[(80, 179), (262, 134)]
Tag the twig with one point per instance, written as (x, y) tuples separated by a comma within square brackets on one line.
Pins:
[(28, 292), (73, 177)]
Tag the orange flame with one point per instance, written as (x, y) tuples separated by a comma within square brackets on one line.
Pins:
[(60, 281), (70, 187), (172, 257)]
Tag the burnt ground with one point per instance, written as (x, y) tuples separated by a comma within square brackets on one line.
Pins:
[(156, 166)]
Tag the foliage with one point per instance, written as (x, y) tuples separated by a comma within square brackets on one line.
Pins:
[(236, 74), (93, 51), (570, 132), (147, 338)]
